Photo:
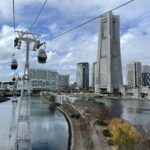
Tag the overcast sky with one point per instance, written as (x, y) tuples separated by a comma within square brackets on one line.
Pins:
[(79, 45)]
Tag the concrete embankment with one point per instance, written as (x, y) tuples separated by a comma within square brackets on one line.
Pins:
[(2, 99), (79, 128), (70, 128)]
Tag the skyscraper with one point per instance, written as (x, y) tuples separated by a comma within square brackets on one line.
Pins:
[(109, 69), (93, 74), (63, 82), (82, 75), (134, 76), (145, 75)]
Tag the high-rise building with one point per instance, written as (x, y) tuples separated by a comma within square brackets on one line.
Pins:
[(82, 75), (63, 82), (46, 79), (93, 74), (109, 69), (145, 75), (134, 77)]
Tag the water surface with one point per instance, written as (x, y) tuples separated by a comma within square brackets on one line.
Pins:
[(49, 127), (134, 111)]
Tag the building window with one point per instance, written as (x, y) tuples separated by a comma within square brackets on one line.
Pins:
[(114, 29), (104, 29)]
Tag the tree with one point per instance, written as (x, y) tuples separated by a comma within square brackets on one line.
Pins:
[(124, 134)]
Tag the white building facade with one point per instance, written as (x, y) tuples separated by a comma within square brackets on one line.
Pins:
[(46, 80), (43, 79), (93, 74), (134, 76)]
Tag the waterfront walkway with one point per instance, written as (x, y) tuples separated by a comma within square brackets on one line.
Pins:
[(99, 141)]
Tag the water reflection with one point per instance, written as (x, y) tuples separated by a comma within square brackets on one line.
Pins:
[(117, 108), (5, 119), (134, 111), (49, 128)]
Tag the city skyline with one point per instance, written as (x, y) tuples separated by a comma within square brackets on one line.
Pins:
[(77, 75), (80, 45)]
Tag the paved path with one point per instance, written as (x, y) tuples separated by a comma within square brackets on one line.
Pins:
[(99, 141)]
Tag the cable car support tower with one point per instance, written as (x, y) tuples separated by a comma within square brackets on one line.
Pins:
[(22, 136)]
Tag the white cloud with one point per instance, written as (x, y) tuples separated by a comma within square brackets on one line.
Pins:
[(68, 9), (54, 28), (6, 42), (135, 45), (67, 58), (84, 48), (80, 45)]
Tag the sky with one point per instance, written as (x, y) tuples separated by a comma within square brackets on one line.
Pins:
[(79, 45)]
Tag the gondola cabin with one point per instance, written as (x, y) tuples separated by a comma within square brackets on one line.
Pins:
[(42, 56), (14, 64)]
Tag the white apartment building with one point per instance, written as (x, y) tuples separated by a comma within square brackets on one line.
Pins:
[(46, 79), (134, 77), (43, 79)]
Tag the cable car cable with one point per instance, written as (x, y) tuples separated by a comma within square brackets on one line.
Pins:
[(14, 19), (37, 15), (70, 30), (142, 15)]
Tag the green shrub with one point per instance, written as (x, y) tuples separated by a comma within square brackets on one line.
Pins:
[(106, 133), (73, 116), (101, 103), (77, 116)]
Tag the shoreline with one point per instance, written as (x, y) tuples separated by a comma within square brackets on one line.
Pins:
[(70, 129), (4, 99), (110, 97), (70, 126)]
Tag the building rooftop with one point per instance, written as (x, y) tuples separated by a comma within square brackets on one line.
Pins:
[(44, 69)]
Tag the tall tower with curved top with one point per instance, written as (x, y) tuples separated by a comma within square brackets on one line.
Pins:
[(109, 69)]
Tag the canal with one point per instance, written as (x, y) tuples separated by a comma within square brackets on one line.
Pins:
[(136, 112), (49, 127)]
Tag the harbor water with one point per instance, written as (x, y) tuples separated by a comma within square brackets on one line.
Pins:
[(49, 126)]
